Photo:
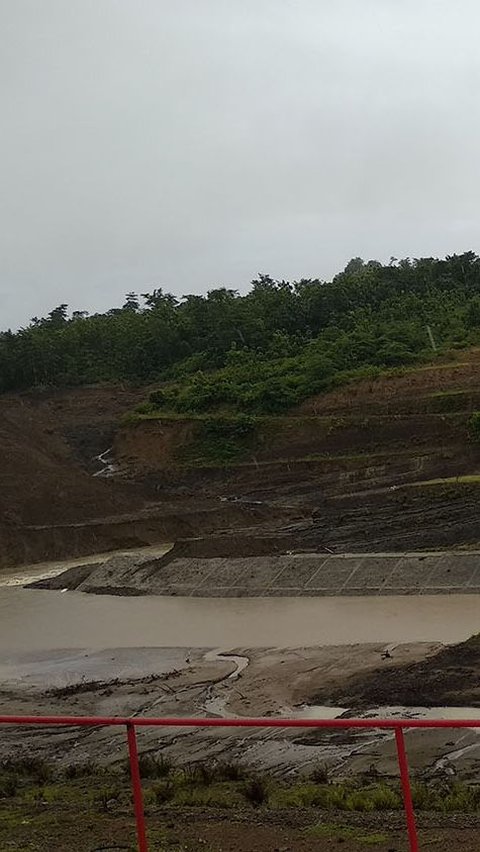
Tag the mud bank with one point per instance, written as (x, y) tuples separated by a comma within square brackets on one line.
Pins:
[(450, 677), (277, 574), (189, 682)]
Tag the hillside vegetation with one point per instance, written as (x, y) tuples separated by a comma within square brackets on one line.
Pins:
[(259, 353), (322, 405)]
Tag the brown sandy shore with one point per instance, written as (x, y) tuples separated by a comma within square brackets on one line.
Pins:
[(248, 682)]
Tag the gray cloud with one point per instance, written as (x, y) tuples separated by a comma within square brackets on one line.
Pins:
[(193, 143)]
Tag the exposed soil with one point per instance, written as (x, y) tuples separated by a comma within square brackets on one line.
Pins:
[(47, 469), (161, 523), (176, 682), (45, 479), (449, 677), (53, 826), (54, 505), (372, 466), (350, 470)]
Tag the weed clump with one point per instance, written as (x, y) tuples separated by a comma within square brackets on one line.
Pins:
[(151, 766), (106, 798), (32, 768), (256, 791), (319, 774), (164, 792), (8, 786), (229, 771), (202, 774), (80, 770)]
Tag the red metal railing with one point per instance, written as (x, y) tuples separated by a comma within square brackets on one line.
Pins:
[(396, 725)]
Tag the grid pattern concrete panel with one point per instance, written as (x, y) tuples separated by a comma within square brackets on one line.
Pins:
[(319, 574)]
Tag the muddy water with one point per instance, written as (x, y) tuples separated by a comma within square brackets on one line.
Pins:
[(40, 620)]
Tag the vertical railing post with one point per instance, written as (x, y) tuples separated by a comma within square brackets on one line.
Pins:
[(407, 793), (136, 788)]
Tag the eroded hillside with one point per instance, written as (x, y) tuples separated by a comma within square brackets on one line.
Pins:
[(383, 464)]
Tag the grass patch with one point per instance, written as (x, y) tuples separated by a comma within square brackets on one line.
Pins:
[(222, 785), (219, 795), (443, 394), (338, 797), (467, 479), (8, 786), (162, 793), (219, 440)]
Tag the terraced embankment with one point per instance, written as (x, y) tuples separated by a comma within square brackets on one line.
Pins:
[(292, 575), (381, 465)]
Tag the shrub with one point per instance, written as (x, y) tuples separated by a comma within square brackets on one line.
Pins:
[(474, 426), (35, 768), (200, 773), (221, 439), (229, 771), (146, 408), (80, 770), (106, 798), (164, 792), (320, 774), (151, 766), (256, 791), (8, 786)]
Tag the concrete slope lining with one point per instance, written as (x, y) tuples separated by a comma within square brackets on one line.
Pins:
[(311, 574)]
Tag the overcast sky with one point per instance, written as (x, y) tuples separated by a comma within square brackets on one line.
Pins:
[(193, 143)]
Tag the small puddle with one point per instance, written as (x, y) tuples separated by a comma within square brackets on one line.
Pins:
[(315, 711), (394, 712)]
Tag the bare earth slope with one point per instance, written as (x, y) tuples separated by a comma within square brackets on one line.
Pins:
[(380, 465), (451, 677), (53, 503), (47, 461)]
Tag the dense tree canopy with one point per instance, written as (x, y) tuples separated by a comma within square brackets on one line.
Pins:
[(262, 351)]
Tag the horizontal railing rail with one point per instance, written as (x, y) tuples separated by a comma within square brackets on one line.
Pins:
[(397, 726)]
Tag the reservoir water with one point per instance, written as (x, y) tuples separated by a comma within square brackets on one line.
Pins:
[(32, 620)]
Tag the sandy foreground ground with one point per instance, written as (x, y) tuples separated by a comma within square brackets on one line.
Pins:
[(235, 682)]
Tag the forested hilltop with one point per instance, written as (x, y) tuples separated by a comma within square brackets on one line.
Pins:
[(261, 352)]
